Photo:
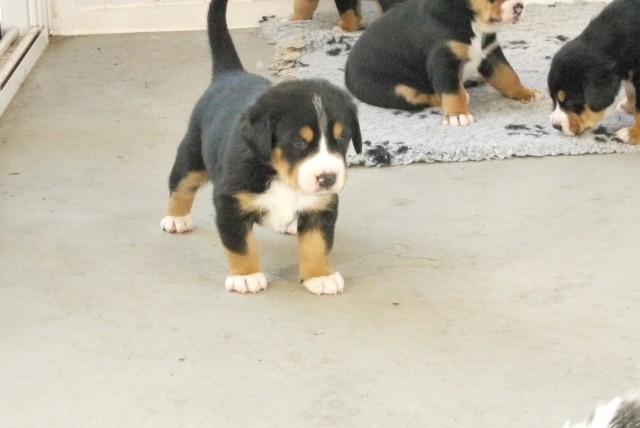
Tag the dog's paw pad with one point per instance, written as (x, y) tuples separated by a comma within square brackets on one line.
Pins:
[(626, 106), (242, 283), (458, 120), (330, 284), (173, 224)]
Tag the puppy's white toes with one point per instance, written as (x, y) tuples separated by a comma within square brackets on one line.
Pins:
[(242, 283), (626, 106), (292, 229), (330, 284), (173, 224), (623, 134), (338, 29), (458, 120), (537, 96)]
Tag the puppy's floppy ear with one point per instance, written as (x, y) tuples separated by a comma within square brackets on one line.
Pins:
[(356, 137), (602, 85), (257, 131)]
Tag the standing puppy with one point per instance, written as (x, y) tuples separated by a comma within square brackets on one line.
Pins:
[(586, 73), (420, 53), (349, 11), (276, 155)]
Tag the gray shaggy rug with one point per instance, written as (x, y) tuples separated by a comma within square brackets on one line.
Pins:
[(504, 128)]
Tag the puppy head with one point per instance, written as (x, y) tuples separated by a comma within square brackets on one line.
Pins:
[(303, 129), (493, 13), (583, 87)]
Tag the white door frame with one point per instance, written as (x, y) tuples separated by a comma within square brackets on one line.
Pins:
[(24, 22)]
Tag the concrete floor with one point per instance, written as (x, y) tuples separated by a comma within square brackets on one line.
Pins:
[(493, 294)]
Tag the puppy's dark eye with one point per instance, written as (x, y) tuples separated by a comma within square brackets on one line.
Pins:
[(300, 143), (343, 140)]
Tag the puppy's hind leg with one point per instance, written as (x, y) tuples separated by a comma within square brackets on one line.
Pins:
[(187, 175)]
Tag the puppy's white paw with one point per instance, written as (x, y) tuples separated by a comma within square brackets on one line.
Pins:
[(623, 134), (242, 283), (537, 96), (292, 229), (626, 106), (458, 120), (177, 224), (330, 284)]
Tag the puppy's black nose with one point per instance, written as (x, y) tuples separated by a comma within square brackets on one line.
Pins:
[(518, 8), (326, 180), (557, 126)]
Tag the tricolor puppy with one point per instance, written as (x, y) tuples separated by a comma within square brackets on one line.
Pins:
[(349, 11), (619, 413), (276, 156), (586, 73), (420, 53)]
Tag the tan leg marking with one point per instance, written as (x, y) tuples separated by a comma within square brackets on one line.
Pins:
[(303, 9), (247, 263), (631, 135), (507, 82), (415, 97), (181, 199), (314, 257), (455, 104), (350, 21)]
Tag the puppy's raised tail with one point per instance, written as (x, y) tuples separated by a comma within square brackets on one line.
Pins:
[(225, 57)]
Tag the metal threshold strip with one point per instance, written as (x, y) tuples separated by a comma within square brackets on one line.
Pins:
[(13, 50)]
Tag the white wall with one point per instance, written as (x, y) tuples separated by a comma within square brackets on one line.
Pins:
[(70, 17)]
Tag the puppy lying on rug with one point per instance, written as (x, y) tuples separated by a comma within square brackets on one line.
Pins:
[(586, 73), (276, 155), (619, 413), (420, 53)]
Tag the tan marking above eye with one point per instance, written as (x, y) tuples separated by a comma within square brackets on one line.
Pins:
[(306, 133), (337, 130), (561, 96)]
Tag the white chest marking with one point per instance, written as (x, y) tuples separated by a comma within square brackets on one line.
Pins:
[(282, 204), (476, 55)]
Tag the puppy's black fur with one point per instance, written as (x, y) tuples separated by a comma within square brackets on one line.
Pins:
[(420, 53), (276, 155), (586, 73)]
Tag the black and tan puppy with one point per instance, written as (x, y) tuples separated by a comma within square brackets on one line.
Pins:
[(420, 53), (586, 73), (276, 156), (349, 11)]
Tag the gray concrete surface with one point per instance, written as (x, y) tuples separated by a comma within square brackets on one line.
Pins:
[(494, 294)]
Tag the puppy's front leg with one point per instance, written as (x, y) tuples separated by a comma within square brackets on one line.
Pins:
[(498, 72), (315, 239), (444, 67), (236, 232), (631, 135)]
